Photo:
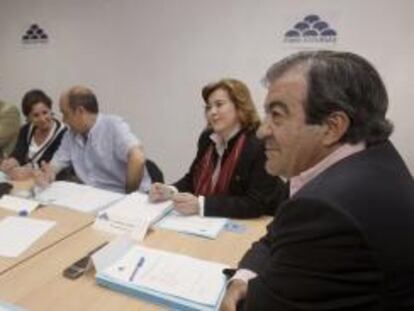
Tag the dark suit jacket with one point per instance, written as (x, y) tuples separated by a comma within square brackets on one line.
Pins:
[(252, 192), (342, 242)]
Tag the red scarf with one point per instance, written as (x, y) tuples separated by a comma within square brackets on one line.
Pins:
[(202, 180)]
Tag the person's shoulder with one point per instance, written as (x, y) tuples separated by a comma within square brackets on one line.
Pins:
[(205, 134), (60, 129), (7, 109), (204, 138), (252, 141), (375, 174), (26, 126), (110, 120)]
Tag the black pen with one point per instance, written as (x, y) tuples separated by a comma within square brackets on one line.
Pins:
[(140, 263)]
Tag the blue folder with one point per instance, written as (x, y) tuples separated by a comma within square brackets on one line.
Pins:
[(113, 256), (172, 302)]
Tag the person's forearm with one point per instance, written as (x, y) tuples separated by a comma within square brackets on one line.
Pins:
[(135, 169)]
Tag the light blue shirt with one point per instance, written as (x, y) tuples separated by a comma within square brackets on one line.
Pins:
[(100, 159)]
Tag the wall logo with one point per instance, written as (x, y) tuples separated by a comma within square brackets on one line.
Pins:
[(35, 34), (312, 29)]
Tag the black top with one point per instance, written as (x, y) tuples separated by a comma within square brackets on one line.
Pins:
[(342, 242), (252, 191), (21, 150)]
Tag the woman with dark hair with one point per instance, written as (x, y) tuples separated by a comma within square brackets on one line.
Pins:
[(227, 177), (38, 139)]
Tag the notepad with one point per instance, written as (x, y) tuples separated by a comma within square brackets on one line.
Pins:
[(208, 227), (17, 204), (17, 234), (78, 197), (134, 214), (174, 280)]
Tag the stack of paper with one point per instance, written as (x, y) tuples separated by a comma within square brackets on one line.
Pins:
[(18, 233), (134, 214), (78, 197), (17, 204), (174, 280), (208, 227)]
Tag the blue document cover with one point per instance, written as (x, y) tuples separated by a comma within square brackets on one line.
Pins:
[(175, 303)]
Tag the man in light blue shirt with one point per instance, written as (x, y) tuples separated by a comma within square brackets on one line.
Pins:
[(101, 148)]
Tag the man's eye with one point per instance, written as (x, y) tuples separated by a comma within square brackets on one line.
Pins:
[(275, 114)]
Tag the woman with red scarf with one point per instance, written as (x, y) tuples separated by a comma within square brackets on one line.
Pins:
[(227, 177)]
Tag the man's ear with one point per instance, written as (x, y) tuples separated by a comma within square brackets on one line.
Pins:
[(336, 124)]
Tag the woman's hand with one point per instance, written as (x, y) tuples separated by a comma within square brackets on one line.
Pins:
[(45, 175), (186, 203), (160, 192), (8, 164), (20, 173)]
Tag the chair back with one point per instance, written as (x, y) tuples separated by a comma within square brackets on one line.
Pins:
[(154, 171)]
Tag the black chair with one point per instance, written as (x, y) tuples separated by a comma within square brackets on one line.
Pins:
[(154, 171), (68, 174)]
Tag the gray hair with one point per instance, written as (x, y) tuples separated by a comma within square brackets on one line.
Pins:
[(81, 96), (341, 81)]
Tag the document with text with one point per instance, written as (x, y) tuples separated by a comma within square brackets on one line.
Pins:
[(78, 197), (208, 227), (133, 214), (17, 234), (169, 278), (17, 204)]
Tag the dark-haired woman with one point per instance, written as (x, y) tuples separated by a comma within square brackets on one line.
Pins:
[(38, 139)]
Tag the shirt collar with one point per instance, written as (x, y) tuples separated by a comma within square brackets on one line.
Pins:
[(346, 150), (221, 144)]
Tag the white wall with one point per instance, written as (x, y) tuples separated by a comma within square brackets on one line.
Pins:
[(148, 60)]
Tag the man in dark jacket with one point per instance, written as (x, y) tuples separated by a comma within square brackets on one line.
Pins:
[(342, 241)]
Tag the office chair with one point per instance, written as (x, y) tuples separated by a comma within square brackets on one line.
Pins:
[(154, 171)]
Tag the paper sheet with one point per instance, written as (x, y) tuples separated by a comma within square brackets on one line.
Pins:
[(78, 197), (193, 279), (17, 204), (208, 227), (136, 205), (17, 234), (134, 214)]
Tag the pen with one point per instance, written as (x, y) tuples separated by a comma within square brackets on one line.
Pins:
[(23, 212), (140, 263)]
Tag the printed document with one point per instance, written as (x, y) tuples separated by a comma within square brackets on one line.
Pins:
[(78, 197), (172, 274), (133, 214), (17, 234), (17, 204), (208, 227)]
